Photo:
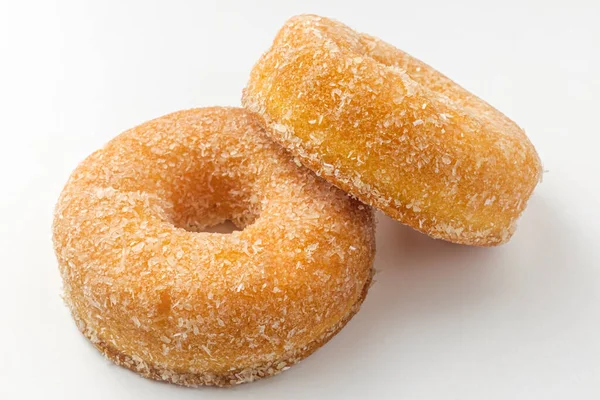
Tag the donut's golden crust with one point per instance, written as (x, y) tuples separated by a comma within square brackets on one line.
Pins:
[(393, 132), (193, 308), (232, 377)]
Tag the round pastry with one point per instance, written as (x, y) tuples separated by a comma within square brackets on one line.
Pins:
[(393, 132), (157, 295)]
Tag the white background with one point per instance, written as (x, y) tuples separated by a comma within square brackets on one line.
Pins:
[(521, 321)]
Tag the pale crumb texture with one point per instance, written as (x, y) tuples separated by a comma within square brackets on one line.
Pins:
[(160, 297), (393, 132)]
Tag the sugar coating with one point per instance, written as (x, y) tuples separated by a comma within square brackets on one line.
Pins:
[(162, 298), (393, 132)]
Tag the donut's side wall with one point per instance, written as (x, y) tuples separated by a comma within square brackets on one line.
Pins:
[(233, 377)]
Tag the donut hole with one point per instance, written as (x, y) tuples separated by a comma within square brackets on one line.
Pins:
[(225, 227), (213, 204)]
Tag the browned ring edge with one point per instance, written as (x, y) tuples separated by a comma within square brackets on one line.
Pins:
[(234, 377)]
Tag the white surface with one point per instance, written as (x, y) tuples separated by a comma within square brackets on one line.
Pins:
[(521, 321)]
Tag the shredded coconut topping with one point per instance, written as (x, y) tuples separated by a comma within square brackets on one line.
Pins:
[(404, 120), (159, 296)]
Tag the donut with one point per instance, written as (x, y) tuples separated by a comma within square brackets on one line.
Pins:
[(158, 294), (393, 132)]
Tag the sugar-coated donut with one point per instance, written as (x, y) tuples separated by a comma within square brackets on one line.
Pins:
[(158, 296), (393, 132)]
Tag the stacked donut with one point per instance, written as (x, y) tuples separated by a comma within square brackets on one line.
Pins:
[(335, 122)]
